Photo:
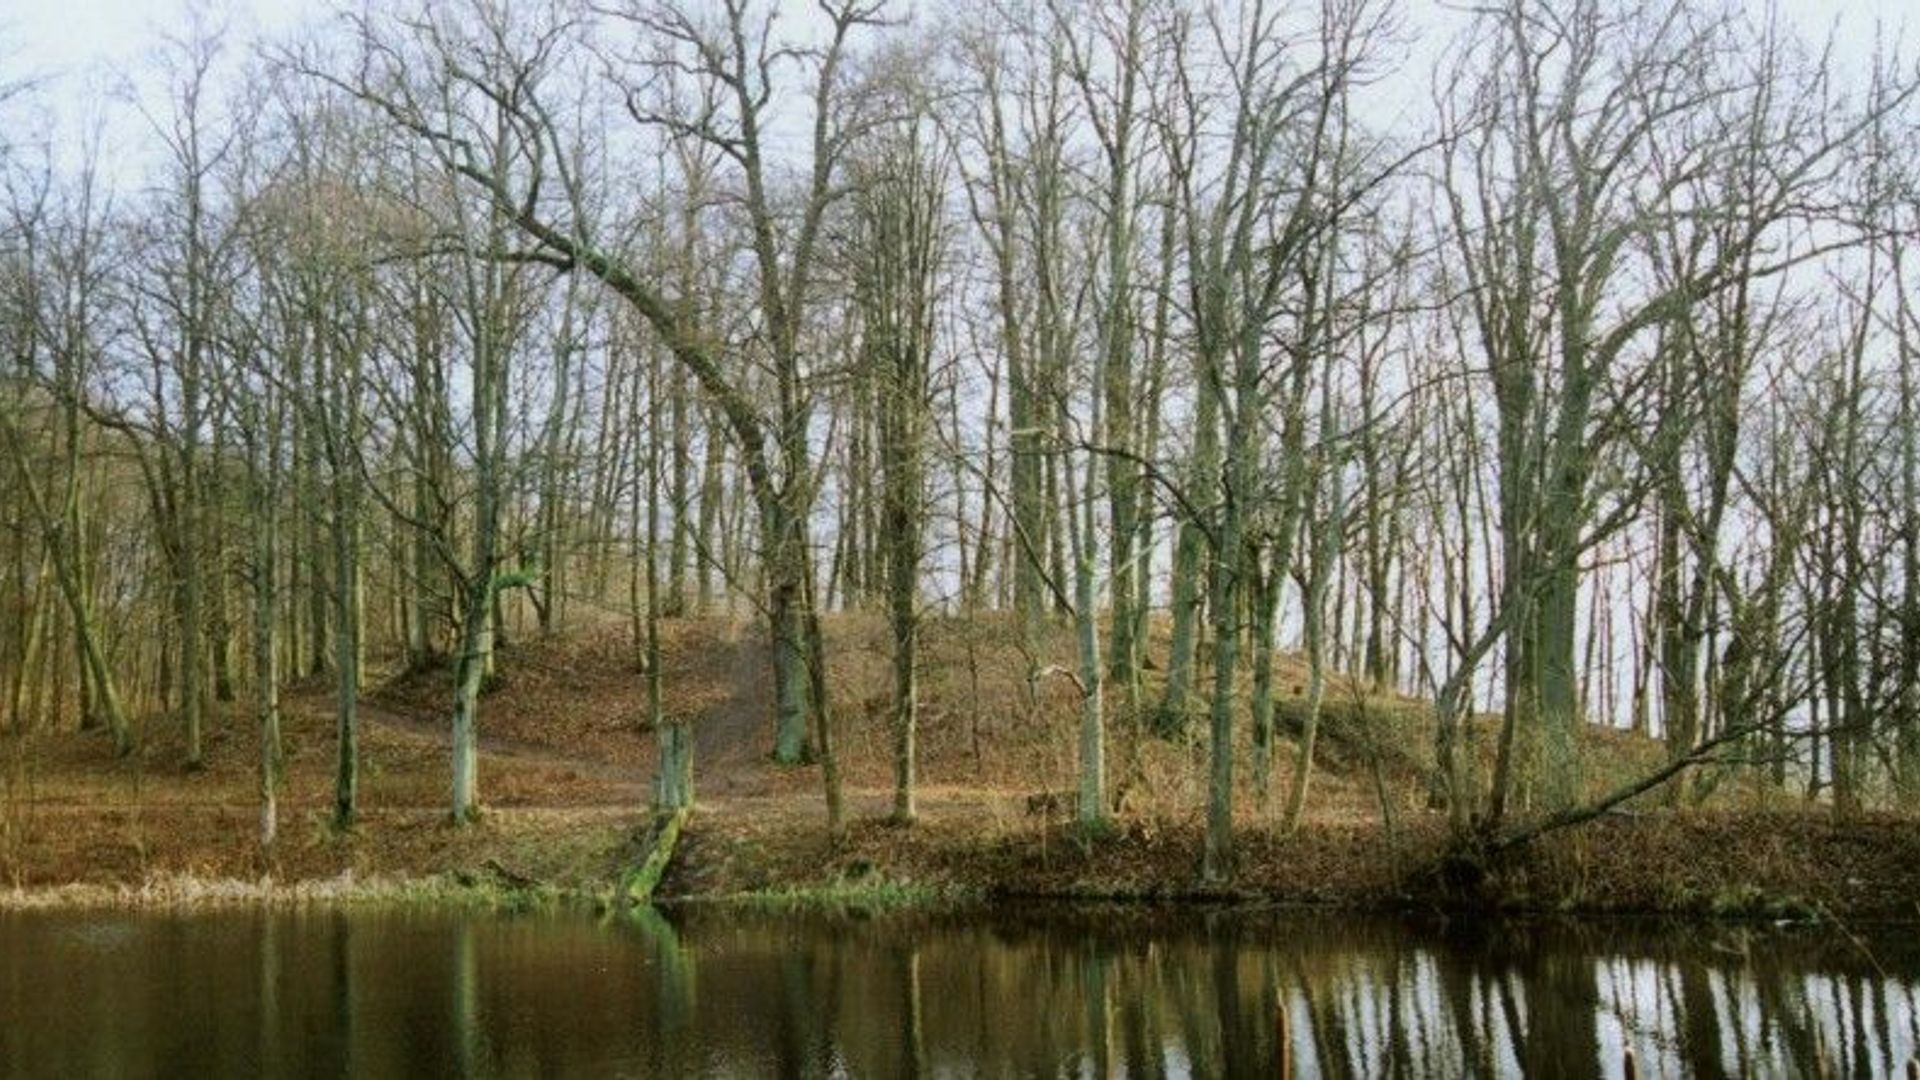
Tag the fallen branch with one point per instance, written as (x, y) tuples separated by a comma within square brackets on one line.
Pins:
[(638, 884), (1704, 754)]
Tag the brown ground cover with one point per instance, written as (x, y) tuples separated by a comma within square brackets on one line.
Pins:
[(566, 754)]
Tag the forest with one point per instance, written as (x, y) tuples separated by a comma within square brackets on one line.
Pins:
[(1485, 424)]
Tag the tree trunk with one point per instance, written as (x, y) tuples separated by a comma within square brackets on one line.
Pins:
[(673, 777), (1324, 553), (476, 642), (266, 666), (61, 537), (1190, 573), (1216, 866), (785, 568), (1266, 584), (346, 654), (1091, 806)]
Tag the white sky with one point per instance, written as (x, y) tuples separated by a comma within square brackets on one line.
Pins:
[(65, 36), (80, 50), (80, 54)]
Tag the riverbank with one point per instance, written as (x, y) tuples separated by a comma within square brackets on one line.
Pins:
[(564, 770), (1780, 866)]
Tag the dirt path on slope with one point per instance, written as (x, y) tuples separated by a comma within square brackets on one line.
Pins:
[(730, 739), (729, 757)]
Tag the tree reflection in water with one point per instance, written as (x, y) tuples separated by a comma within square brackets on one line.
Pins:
[(1057, 992)]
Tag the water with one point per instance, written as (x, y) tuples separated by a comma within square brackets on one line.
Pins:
[(1053, 992)]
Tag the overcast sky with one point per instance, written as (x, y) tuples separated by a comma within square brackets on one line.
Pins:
[(80, 48), (64, 37), (67, 35)]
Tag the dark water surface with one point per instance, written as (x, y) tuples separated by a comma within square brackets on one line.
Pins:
[(1056, 992)]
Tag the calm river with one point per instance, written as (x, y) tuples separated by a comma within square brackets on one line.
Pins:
[(707, 991)]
